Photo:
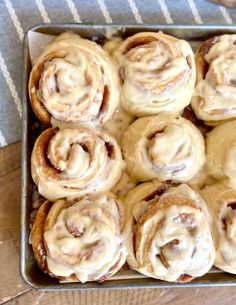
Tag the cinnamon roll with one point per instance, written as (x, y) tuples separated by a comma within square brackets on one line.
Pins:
[(75, 162), (222, 204), (163, 147), (168, 228), (214, 100), (220, 152), (74, 80), (80, 239), (157, 72)]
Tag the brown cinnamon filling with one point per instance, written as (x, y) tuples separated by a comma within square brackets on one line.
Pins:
[(184, 278), (134, 224), (203, 50), (42, 150), (205, 47), (105, 103), (85, 146), (157, 192), (122, 74), (154, 133), (205, 68), (188, 221), (57, 88), (226, 221), (170, 245), (190, 115), (162, 259), (75, 231), (232, 205), (139, 41), (110, 150)]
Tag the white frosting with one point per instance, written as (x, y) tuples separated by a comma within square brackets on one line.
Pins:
[(83, 160), (74, 83), (216, 92), (219, 199), (172, 234), (163, 155), (156, 74), (163, 147), (221, 151), (85, 239)]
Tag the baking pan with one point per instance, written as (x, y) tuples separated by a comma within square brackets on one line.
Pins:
[(30, 272)]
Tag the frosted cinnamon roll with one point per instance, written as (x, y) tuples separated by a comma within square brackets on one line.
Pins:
[(163, 147), (222, 204), (157, 72), (220, 152), (80, 240), (75, 162), (215, 94), (74, 80), (169, 236)]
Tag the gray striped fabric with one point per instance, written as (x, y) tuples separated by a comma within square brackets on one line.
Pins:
[(18, 15)]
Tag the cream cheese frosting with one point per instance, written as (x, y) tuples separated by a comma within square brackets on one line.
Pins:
[(77, 162), (85, 239), (215, 92), (170, 238), (77, 81), (163, 147), (222, 204), (158, 73), (220, 152)]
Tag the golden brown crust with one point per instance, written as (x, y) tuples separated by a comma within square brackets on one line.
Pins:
[(201, 64), (39, 249), (40, 111), (37, 236), (42, 150)]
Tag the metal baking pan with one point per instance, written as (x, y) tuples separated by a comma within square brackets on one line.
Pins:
[(30, 272)]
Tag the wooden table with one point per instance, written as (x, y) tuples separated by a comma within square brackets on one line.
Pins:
[(13, 291)]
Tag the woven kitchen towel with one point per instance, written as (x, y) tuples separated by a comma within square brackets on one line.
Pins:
[(16, 16)]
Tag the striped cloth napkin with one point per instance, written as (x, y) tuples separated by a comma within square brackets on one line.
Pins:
[(16, 16)]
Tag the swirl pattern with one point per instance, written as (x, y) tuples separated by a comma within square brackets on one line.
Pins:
[(74, 80), (74, 162), (169, 232), (215, 93), (157, 72), (81, 239), (163, 147), (222, 204), (220, 152)]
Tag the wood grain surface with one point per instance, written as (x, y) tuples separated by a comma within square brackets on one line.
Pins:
[(13, 291)]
